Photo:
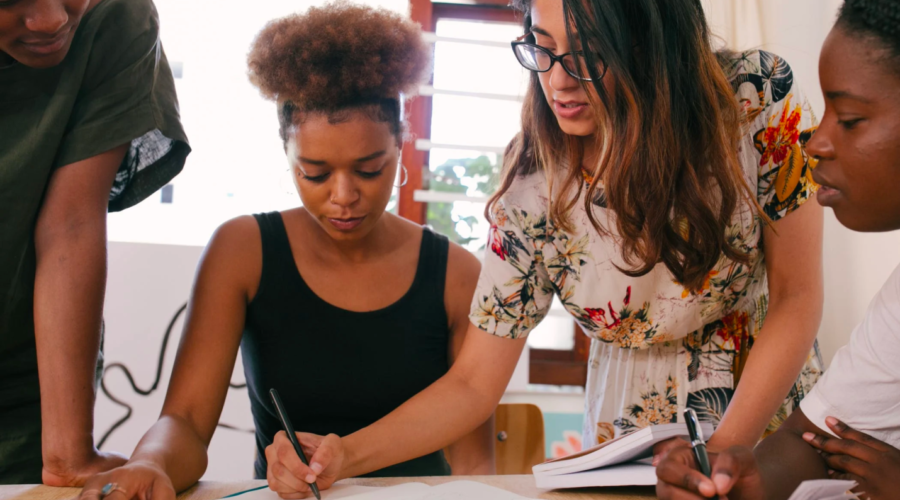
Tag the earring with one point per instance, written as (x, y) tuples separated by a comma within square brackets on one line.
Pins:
[(404, 176)]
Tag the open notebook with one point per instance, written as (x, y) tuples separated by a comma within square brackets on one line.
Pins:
[(618, 462), (824, 489), (455, 490)]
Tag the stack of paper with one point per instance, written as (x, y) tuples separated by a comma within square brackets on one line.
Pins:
[(619, 462), (824, 489)]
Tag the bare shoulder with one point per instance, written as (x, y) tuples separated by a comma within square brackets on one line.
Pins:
[(235, 253)]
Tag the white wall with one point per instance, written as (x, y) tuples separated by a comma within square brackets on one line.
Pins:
[(146, 286)]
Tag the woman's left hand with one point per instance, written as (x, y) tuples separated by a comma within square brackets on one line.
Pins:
[(859, 457)]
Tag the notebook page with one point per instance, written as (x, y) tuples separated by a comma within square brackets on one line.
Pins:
[(824, 489)]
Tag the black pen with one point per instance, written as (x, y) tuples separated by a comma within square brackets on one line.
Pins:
[(697, 443), (289, 429)]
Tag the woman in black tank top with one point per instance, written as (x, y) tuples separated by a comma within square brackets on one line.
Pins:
[(374, 360), (346, 309)]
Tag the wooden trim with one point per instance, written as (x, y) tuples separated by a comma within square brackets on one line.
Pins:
[(542, 371), (491, 12), (554, 367), (419, 119)]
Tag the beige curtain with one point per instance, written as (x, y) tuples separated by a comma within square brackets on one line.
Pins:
[(737, 22)]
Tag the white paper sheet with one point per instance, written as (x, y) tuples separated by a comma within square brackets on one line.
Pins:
[(455, 490)]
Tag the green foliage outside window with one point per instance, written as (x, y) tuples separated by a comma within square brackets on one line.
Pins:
[(472, 176)]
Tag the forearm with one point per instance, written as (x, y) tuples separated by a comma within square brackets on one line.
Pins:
[(781, 349), (441, 414), (173, 445), (68, 302), (785, 460)]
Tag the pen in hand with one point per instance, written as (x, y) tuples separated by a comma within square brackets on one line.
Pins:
[(289, 429), (697, 442)]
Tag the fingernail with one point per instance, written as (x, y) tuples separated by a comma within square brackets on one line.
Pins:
[(655, 461), (808, 436), (707, 488), (831, 421), (722, 481), (310, 478), (316, 467)]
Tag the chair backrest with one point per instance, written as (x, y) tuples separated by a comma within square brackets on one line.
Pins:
[(520, 438)]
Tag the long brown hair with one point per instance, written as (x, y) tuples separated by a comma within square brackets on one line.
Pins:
[(668, 137)]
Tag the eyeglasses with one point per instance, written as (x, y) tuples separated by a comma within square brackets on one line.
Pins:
[(535, 58)]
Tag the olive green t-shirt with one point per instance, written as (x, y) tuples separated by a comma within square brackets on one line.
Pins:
[(114, 87)]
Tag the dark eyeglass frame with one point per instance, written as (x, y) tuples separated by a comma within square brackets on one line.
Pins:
[(554, 59)]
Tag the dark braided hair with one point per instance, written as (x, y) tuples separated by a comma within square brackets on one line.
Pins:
[(878, 19)]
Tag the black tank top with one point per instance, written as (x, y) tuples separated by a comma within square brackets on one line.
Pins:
[(338, 370)]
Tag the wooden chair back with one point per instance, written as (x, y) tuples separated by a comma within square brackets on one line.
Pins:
[(519, 431)]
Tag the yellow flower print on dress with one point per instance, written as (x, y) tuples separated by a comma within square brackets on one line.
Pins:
[(782, 148), (655, 408), (605, 432), (625, 327)]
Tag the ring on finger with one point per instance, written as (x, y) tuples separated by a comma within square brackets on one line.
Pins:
[(110, 488)]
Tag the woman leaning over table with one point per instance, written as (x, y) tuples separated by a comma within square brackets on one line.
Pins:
[(662, 192), (88, 124)]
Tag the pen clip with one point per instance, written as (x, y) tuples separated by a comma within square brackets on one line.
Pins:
[(693, 425)]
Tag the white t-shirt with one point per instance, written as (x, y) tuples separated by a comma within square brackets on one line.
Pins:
[(862, 386)]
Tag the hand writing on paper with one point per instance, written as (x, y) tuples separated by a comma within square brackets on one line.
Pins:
[(857, 456), (140, 480), (734, 474), (290, 477)]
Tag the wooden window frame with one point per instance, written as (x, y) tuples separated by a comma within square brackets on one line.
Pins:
[(546, 366)]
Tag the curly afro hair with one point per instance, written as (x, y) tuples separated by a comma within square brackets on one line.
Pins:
[(337, 57)]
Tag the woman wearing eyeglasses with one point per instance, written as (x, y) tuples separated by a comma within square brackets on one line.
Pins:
[(650, 190), (662, 192)]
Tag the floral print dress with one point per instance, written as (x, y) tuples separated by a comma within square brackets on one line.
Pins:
[(656, 347)]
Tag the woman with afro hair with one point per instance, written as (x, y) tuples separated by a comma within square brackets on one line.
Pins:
[(346, 309)]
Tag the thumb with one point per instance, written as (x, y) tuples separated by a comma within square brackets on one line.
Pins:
[(329, 447)]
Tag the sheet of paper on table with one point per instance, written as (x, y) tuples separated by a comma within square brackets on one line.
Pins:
[(455, 490), (824, 489)]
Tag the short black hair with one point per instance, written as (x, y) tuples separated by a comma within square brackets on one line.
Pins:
[(877, 19)]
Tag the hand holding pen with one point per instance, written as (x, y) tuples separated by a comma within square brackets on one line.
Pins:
[(687, 470), (289, 474)]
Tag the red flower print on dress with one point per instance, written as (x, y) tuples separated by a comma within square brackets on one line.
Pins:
[(777, 140), (497, 244), (506, 244)]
